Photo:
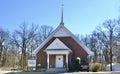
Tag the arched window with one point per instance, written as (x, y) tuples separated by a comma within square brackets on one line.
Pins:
[(79, 59)]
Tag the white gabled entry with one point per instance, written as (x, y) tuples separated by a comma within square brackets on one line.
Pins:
[(59, 49), (59, 61)]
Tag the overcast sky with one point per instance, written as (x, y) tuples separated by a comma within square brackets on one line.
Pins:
[(80, 16)]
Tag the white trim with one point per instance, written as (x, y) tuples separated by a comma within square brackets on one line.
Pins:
[(61, 33), (46, 40), (47, 61), (57, 51), (57, 45), (90, 53), (71, 35), (67, 61)]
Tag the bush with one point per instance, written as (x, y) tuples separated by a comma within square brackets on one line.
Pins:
[(76, 65), (96, 67)]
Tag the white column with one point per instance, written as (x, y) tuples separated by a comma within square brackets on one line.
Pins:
[(47, 61), (67, 61)]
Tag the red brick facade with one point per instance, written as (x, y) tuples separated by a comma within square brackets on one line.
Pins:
[(77, 51)]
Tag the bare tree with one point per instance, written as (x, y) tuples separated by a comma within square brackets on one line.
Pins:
[(27, 38), (92, 42), (44, 32), (23, 39), (103, 41), (108, 33), (4, 36), (118, 40)]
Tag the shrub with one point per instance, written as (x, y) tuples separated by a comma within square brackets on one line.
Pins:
[(96, 67), (76, 64)]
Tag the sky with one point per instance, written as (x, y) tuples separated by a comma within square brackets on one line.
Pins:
[(80, 16)]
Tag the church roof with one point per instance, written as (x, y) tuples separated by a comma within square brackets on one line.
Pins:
[(62, 31)]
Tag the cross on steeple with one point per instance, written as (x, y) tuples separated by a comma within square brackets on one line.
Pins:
[(62, 23)]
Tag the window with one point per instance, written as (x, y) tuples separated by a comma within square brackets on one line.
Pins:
[(84, 60), (79, 59)]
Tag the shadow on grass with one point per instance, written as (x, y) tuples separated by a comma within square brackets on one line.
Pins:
[(31, 73)]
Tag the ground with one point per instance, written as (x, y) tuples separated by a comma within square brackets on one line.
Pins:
[(14, 72)]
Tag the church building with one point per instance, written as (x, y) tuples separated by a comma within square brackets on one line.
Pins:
[(60, 49)]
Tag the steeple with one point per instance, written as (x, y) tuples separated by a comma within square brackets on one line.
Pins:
[(62, 23)]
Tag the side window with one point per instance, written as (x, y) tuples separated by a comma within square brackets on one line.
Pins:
[(84, 60), (79, 59)]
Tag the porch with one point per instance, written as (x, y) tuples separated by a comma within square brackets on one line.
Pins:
[(57, 55), (57, 59)]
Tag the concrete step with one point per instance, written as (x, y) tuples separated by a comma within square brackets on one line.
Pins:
[(56, 70)]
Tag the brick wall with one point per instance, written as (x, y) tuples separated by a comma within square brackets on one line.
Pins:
[(77, 51)]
